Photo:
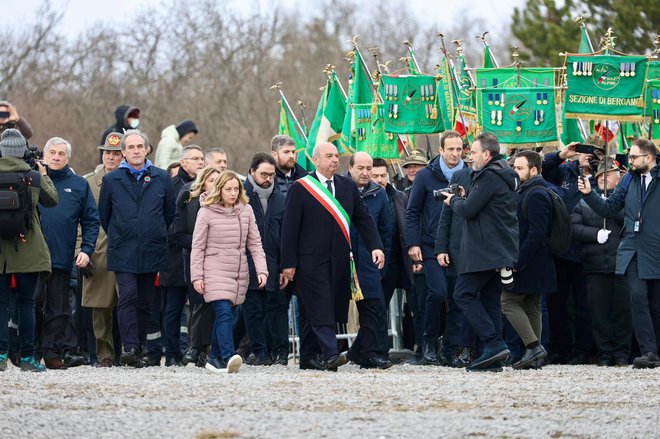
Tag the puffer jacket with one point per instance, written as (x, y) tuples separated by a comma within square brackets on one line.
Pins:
[(218, 251), (169, 148)]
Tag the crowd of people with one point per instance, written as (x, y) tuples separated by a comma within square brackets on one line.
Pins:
[(515, 261)]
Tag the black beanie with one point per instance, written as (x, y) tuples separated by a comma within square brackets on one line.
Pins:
[(185, 127)]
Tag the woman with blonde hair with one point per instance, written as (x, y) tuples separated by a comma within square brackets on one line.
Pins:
[(225, 227)]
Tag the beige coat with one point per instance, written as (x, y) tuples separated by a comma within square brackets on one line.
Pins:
[(99, 291)]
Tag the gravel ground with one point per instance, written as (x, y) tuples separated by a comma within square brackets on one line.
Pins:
[(278, 401)]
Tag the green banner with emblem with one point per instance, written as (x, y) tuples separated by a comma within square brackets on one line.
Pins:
[(370, 134), (606, 87), (652, 99), (412, 104)]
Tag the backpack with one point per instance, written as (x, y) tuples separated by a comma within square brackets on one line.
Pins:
[(559, 239), (16, 204)]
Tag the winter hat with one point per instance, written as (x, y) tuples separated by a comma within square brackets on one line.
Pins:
[(185, 127), (13, 144), (611, 166)]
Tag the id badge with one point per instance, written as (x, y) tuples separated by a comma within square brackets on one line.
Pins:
[(637, 226)]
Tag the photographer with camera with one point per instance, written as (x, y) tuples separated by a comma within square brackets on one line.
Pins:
[(23, 249), (422, 216), (60, 225), (561, 170), (9, 118), (489, 245)]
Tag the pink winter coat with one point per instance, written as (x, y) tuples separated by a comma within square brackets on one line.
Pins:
[(218, 251)]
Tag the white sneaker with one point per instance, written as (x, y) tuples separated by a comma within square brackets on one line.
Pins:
[(234, 364), (215, 366)]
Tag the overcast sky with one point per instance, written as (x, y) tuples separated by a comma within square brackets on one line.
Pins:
[(81, 14)]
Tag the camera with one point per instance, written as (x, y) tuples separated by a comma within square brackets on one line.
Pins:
[(32, 155), (452, 189), (506, 277)]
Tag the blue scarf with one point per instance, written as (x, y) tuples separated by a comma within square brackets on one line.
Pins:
[(137, 173), (449, 172)]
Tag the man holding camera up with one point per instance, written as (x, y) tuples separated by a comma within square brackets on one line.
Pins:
[(489, 246), (422, 215), (637, 256)]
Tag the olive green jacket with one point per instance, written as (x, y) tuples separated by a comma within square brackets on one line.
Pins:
[(30, 254)]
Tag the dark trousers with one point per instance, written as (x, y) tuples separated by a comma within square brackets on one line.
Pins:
[(645, 307), (478, 295), (133, 310), (277, 320), (611, 318), (417, 304), (254, 315), (458, 333), (174, 304), (57, 331), (23, 295), (366, 342), (570, 282), (201, 326), (317, 340), (436, 283)]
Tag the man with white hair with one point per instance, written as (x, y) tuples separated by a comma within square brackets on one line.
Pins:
[(76, 206)]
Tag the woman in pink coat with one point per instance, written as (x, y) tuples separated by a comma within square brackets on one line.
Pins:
[(225, 225)]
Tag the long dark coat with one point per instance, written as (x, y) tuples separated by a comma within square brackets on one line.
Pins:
[(313, 243)]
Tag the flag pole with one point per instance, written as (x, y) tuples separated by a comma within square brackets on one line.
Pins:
[(278, 87), (412, 54), (454, 85), (482, 37)]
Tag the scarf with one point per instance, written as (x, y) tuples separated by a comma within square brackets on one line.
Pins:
[(449, 172), (262, 193), (137, 173)]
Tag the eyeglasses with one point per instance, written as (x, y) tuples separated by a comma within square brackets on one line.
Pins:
[(267, 174), (634, 157), (195, 159)]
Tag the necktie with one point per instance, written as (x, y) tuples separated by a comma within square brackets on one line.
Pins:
[(643, 187), (329, 184)]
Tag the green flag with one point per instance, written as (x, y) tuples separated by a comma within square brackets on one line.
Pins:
[(489, 61), (330, 114), (371, 136), (606, 87), (447, 95), (411, 104), (571, 127), (288, 127), (652, 99), (412, 67), (359, 92)]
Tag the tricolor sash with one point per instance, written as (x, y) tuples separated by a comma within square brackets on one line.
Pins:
[(332, 206)]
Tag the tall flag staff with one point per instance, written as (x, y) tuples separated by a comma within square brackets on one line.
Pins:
[(287, 108), (453, 81), (489, 59)]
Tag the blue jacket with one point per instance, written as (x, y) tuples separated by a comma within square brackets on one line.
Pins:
[(136, 216), (270, 226), (565, 177), (375, 198), (535, 269), (423, 211), (60, 223), (645, 243), (283, 182)]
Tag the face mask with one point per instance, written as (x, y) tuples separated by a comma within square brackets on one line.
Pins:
[(135, 123)]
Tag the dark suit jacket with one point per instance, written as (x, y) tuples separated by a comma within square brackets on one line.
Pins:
[(313, 243)]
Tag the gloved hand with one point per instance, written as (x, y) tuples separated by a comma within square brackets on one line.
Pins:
[(603, 236)]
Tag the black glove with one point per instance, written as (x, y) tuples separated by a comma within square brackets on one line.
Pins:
[(88, 271)]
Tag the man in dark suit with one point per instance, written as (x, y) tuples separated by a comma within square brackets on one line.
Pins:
[(315, 251)]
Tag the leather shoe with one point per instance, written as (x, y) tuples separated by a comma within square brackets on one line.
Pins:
[(72, 360), (604, 360), (54, 363), (131, 357), (173, 362), (647, 361), (500, 352), (429, 357), (530, 357), (312, 364), (106, 362), (620, 362), (335, 362), (376, 363), (495, 366), (353, 357), (190, 356), (280, 359)]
